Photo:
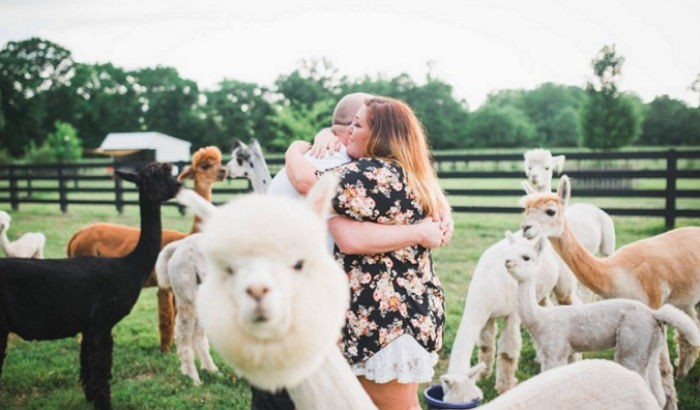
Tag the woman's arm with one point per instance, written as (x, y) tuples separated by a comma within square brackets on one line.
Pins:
[(301, 173), (355, 237)]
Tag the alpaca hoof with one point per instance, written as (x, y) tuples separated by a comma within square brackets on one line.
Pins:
[(211, 369)]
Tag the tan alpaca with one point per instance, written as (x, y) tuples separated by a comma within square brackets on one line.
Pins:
[(111, 240), (662, 269)]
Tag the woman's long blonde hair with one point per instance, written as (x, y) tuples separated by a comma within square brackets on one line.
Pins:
[(397, 135)]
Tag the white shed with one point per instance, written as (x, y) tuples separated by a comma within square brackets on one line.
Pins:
[(165, 147)]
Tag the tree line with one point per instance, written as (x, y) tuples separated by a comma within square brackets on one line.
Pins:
[(52, 106)]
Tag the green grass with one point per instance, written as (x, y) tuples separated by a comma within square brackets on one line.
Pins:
[(44, 375)]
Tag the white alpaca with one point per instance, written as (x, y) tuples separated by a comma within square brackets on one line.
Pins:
[(584, 385), (181, 267), (591, 225), (662, 269), (248, 161), (29, 245), (492, 294), (274, 300), (632, 328)]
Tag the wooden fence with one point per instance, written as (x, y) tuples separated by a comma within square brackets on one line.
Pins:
[(600, 175)]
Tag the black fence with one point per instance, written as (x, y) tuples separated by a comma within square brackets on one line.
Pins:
[(600, 175)]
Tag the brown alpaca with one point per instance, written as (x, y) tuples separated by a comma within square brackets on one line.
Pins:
[(662, 269), (110, 240)]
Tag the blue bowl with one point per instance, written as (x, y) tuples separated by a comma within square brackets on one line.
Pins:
[(433, 396)]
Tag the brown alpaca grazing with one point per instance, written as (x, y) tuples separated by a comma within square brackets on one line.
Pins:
[(111, 240), (662, 269)]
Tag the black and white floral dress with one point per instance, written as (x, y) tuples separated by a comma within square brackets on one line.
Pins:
[(395, 296)]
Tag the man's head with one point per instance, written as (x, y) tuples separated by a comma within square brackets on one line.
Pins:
[(345, 111)]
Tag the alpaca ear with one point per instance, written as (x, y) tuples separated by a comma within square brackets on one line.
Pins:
[(527, 188), (447, 380), (236, 143), (510, 237), (564, 190), (476, 370), (559, 163), (200, 206), (319, 198), (187, 173), (127, 176)]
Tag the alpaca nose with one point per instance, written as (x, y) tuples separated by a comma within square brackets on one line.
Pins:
[(525, 227), (257, 292), (509, 263)]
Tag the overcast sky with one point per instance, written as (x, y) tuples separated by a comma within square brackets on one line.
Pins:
[(477, 46)]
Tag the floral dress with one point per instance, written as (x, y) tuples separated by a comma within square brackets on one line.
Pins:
[(392, 293)]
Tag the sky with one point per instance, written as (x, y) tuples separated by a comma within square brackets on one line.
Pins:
[(478, 47)]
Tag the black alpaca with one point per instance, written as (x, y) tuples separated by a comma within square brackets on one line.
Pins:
[(56, 298)]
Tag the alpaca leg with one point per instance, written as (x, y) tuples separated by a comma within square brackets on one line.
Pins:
[(565, 289), (201, 344), (101, 368), (687, 353), (508, 354), (666, 374), (86, 353), (184, 339), (487, 346), (4, 333), (166, 318)]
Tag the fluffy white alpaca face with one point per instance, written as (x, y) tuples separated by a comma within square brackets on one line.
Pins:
[(4, 220), (243, 159), (544, 212), (540, 166), (462, 388), (522, 257)]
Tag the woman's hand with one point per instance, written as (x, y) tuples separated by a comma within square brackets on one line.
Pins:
[(430, 233), (447, 225), (325, 142)]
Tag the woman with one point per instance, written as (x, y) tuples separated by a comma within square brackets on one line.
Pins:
[(396, 318)]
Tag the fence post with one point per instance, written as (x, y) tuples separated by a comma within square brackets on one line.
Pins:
[(671, 168), (118, 195), (14, 192), (62, 193)]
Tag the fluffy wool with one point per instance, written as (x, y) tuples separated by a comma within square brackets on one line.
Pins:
[(632, 328), (274, 300), (29, 245), (586, 384)]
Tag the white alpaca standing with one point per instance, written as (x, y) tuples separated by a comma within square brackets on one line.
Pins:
[(584, 385), (274, 300), (29, 245), (591, 225), (492, 295), (181, 267), (632, 328)]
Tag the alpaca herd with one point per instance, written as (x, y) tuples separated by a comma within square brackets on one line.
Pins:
[(272, 302)]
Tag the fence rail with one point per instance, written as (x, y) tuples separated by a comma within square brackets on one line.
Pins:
[(608, 175)]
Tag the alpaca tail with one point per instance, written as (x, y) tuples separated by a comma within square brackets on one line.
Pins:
[(70, 248), (161, 267), (681, 321)]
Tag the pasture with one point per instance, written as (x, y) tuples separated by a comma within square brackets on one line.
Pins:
[(44, 375)]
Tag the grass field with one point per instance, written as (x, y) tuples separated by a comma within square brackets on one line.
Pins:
[(44, 375)]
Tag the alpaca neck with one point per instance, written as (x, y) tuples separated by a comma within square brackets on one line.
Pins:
[(5, 242), (147, 249), (587, 268), (204, 190), (528, 309), (260, 179)]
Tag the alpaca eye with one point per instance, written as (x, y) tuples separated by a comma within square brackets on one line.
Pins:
[(526, 258), (299, 265), (230, 270), (205, 166), (551, 212), (546, 168)]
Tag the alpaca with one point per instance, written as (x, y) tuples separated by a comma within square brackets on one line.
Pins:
[(180, 268), (662, 269), (587, 385), (57, 298), (274, 300), (105, 239), (248, 161), (632, 328), (493, 294), (591, 225), (29, 245)]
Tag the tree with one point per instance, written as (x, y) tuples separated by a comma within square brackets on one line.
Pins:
[(64, 142), (293, 124), (610, 119), (670, 122), (502, 127), (316, 80), (28, 70)]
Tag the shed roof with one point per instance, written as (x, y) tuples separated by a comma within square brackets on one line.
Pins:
[(140, 140)]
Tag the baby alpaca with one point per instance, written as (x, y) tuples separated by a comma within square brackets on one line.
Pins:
[(462, 388), (274, 300), (180, 267), (585, 385), (29, 245), (635, 330), (493, 294)]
